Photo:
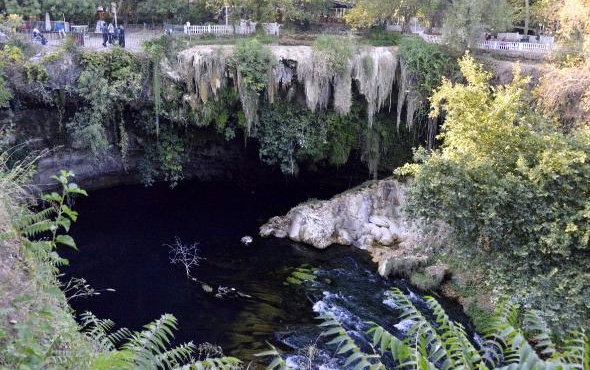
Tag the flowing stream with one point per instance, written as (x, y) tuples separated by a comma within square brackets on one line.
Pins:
[(122, 234)]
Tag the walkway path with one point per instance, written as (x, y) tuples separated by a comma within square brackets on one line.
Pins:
[(133, 40)]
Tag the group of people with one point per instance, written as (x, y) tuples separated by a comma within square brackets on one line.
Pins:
[(112, 34), (38, 37)]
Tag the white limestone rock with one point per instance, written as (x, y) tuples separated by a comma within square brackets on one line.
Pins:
[(367, 216)]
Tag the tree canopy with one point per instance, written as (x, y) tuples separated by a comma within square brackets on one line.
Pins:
[(76, 9)]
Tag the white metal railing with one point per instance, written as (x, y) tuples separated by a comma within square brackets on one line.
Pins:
[(272, 29), (534, 47), (435, 39), (209, 29), (516, 46), (243, 28)]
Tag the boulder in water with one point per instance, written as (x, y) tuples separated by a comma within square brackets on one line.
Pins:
[(369, 217), (364, 217)]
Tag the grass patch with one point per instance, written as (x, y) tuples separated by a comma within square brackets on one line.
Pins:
[(381, 37)]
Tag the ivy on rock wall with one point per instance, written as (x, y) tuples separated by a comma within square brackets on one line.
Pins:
[(289, 134), (108, 82), (253, 64)]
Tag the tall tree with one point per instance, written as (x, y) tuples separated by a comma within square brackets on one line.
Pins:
[(466, 21), (271, 10), (368, 13), (25, 8), (573, 18), (161, 10), (72, 10)]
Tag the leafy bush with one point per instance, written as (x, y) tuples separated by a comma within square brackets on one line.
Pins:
[(108, 81), (380, 37), (564, 94), (9, 55), (427, 62), (336, 52), (36, 72), (289, 134), (514, 188), (252, 62), (35, 326), (165, 158)]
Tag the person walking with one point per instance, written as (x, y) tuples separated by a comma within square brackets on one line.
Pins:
[(111, 33), (105, 34), (59, 28), (121, 36)]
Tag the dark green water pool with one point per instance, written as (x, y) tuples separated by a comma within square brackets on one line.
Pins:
[(122, 233)]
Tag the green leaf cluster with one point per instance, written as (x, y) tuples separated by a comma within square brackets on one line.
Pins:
[(252, 62), (108, 82), (336, 52), (289, 134), (302, 274), (513, 187), (428, 63)]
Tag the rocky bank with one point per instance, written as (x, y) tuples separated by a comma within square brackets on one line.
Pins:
[(369, 217)]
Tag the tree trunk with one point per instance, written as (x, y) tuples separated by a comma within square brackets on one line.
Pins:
[(527, 16)]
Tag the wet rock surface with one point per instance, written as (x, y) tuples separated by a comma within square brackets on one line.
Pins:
[(369, 217)]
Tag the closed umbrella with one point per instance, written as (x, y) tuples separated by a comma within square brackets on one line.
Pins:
[(47, 22)]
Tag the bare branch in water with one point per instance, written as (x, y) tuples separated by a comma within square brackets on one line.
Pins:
[(185, 254)]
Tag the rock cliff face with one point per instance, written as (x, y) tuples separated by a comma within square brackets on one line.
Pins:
[(369, 217), (213, 160)]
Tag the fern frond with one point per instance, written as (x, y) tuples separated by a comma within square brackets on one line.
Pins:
[(32, 218), (386, 342), (177, 355), (119, 336), (576, 350), (277, 362), (536, 327), (97, 330), (435, 343), (149, 347), (454, 337), (512, 345), (36, 229), (346, 345)]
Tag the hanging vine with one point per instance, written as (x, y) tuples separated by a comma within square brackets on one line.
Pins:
[(157, 87)]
